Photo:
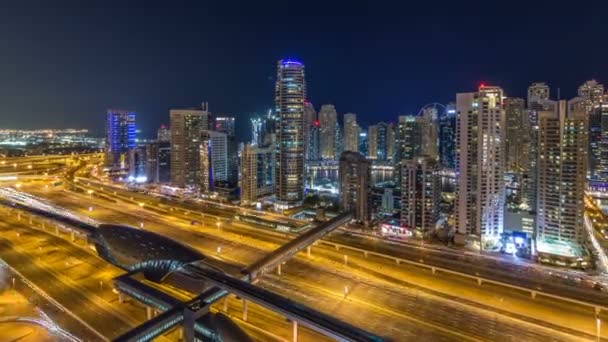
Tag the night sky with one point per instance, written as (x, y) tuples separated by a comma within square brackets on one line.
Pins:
[(62, 65)]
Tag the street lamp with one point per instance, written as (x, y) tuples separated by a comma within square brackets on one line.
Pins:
[(219, 225), (141, 224), (141, 205)]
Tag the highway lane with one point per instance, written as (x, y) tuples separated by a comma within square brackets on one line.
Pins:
[(241, 252), (76, 257), (562, 282)]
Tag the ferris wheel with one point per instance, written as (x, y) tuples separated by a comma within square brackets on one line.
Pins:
[(438, 110)]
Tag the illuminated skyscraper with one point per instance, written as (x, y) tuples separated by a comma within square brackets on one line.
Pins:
[(420, 194), (256, 131), (213, 158), (120, 137), (186, 126), (257, 173), (351, 133), (225, 124), (372, 142), (163, 134), (355, 185), (447, 137), (480, 159), (592, 94), (516, 140), (562, 167), (310, 117), (378, 138), (290, 94), (538, 94), (328, 119)]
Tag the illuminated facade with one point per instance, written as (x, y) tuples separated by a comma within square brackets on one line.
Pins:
[(480, 159), (351, 133), (420, 194), (257, 173), (517, 123), (328, 120), (538, 94), (163, 134), (225, 124), (186, 126), (310, 118), (592, 94), (355, 185), (562, 166), (447, 137), (290, 94), (120, 137), (213, 158)]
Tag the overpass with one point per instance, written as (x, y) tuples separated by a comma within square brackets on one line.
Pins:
[(286, 251)]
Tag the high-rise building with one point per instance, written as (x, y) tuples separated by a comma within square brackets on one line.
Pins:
[(290, 94), (447, 137), (538, 95), (158, 156), (598, 143), (372, 142), (592, 94), (355, 185), (562, 167), (186, 126), (213, 159), (257, 173), (411, 140), (516, 146), (351, 133), (537, 92), (314, 152), (390, 142), (430, 145), (388, 201), (420, 194), (138, 159), (163, 134), (338, 141), (120, 137), (363, 142), (480, 159), (310, 117), (225, 124), (328, 120), (257, 134)]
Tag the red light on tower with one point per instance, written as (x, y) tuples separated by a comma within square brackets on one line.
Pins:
[(316, 123), (482, 85)]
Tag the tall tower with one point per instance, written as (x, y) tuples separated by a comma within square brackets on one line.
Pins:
[(258, 173), (562, 167), (447, 137), (328, 119), (480, 160), (592, 94), (290, 94), (538, 95), (516, 139), (420, 194), (186, 126), (351, 133), (225, 124), (355, 185), (310, 118), (120, 137)]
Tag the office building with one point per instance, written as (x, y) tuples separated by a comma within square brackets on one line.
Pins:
[(313, 142), (430, 145), (411, 140), (420, 194), (257, 173), (163, 134), (592, 94), (257, 133), (159, 162), (562, 167), (290, 94), (186, 127), (538, 95), (372, 142), (598, 143), (355, 185), (138, 159), (328, 120), (388, 202), (390, 142), (517, 124), (537, 92), (213, 159), (225, 124), (120, 138), (447, 138), (480, 159), (310, 117), (338, 141), (351, 133), (363, 142)]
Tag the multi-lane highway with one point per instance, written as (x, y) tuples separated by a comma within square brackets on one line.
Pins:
[(401, 301)]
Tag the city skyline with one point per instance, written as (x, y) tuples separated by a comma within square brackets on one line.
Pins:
[(135, 75)]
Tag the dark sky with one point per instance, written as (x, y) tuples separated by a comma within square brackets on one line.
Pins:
[(63, 63)]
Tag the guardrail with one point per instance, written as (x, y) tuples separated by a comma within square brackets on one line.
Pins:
[(480, 280)]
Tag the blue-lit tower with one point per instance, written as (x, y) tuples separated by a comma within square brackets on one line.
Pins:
[(120, 137)]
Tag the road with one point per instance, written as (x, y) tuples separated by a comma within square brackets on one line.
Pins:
[(395, 300), (48, 260)]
